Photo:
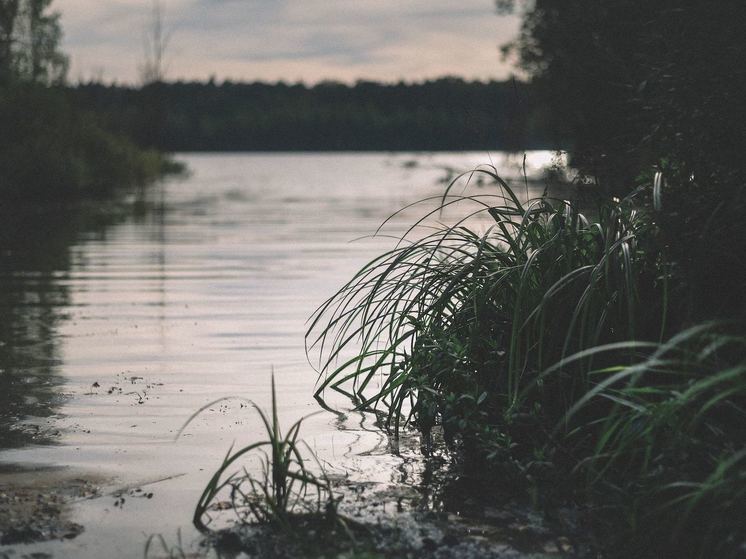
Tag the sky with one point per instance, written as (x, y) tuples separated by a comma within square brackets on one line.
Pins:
[(291, 40)]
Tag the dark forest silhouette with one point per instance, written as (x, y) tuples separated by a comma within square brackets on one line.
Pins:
[(443, 114)]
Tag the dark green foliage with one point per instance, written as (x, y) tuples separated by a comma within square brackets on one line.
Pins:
[(635, 83), (51, 151), (638, 85), (472, 317), (444, 114), (30, 37), (700, 222), (547, 349), (662, 439)]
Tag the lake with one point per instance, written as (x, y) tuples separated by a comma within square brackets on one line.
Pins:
[(116, 330)]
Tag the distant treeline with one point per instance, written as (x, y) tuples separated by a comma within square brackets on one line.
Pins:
[(444, 114)]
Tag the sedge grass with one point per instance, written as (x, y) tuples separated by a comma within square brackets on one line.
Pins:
[(457, 322), (544, 347), (670, 430)]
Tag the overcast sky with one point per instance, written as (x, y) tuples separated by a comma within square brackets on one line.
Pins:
[(292, 40)]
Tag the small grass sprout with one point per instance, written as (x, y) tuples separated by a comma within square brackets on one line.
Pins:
[(284, 488)]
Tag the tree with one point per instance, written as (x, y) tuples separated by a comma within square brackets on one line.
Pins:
[(634, 82), (640, 86), (46, 63), (30, 37), (153, 68), (8, 16)]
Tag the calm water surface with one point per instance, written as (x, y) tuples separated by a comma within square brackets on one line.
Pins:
[(115, 333)]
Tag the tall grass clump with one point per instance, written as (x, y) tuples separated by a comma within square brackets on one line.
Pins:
[(542, 343), (458, 321), (663, 440)]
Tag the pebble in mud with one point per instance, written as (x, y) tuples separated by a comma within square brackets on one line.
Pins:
[(120, 497)]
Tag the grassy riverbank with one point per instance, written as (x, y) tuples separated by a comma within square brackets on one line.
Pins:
[(561, 354), (594, 360)]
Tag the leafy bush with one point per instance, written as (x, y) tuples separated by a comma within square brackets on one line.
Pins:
[(51, 151)]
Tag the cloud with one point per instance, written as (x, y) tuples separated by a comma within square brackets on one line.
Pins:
[(306, 40)]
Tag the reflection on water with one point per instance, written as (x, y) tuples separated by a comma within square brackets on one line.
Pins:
[(122, 328), (34, 262)]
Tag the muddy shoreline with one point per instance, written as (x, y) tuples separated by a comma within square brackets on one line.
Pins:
[(35, 502), (405, 520)]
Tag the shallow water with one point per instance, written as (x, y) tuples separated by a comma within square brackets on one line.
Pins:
[(116, 330)]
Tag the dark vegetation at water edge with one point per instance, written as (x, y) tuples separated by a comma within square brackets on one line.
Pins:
[(50, 150), (549, 350), (443, 114), (55, 151), (274, 498), (286, 490), (598, 361)]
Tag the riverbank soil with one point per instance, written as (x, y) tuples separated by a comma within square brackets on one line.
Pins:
[(35, 503)]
